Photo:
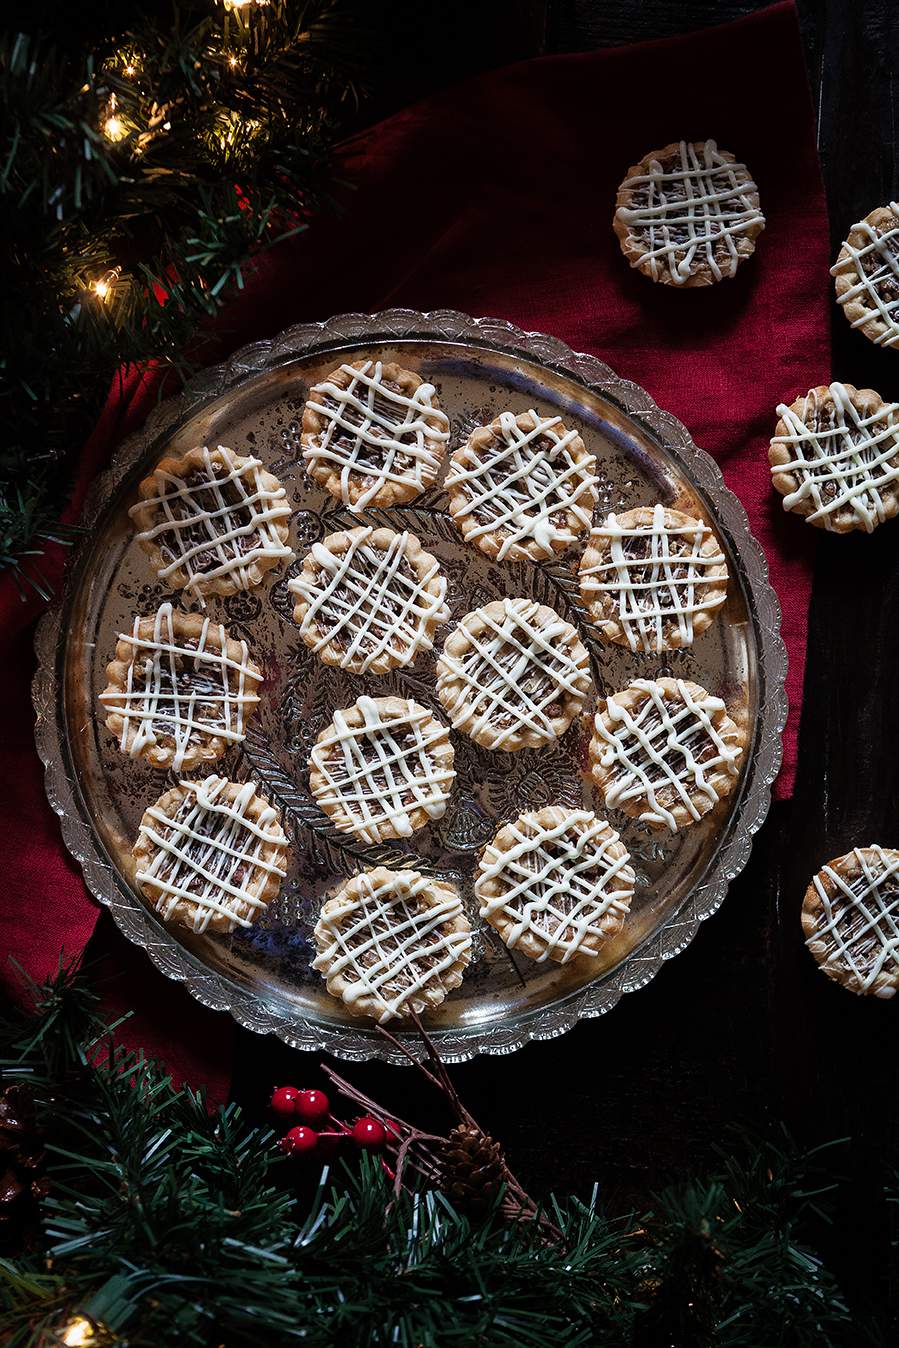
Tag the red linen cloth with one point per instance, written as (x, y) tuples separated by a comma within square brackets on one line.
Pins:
[(496, 197)]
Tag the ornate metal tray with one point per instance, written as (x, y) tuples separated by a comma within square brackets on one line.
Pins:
[(262, 976)]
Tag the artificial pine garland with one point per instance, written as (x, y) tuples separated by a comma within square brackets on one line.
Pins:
[(145, 157), (165, 1224)]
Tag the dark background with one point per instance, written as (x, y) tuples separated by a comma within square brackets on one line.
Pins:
[(742, 1028)]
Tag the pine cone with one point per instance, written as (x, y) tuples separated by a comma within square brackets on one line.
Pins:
[(472, 1169), (22, 1181)]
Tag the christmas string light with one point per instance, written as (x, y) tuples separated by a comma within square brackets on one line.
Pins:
[(79, 1332), (104, 285), (113, 128)]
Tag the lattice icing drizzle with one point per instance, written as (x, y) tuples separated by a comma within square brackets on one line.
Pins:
[(523, 482), (217, 522), (511, 677), (876, 264), (658, 576), (385, 769), (692, 212), (211, 854), (841, 457), (558, 883), (369, 600), (388, 945), (861, 921), (376, 432), (666, 750), (186, 691)]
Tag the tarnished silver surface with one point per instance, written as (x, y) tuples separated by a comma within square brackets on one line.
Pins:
[(253, 402)]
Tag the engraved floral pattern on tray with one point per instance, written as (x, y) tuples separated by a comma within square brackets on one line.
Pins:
[(262, 976)]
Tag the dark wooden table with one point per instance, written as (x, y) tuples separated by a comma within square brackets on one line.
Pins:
[(742, 1028)]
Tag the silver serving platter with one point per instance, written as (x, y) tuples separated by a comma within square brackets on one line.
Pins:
[(253, 402)]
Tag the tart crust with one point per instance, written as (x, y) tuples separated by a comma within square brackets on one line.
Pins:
[(665, 751), (382, 769), (835, 458), (180, 690), (522, 487), (350, 580), (373, 434), (652, 579), (513, 675), (392, 942), (178, 867), (239, 502), (688, 214), (555, 884), (866, 275), (850, 918)]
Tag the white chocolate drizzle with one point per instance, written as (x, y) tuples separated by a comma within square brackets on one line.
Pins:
[(559, 885), (842, 466), (204, 523), (860, 922), (389, 946), (370, 599), (211, 855), (884, 263), (510, 677), (392, 436), (666, 587), (522, 484), (693, 213), (184, 692), (382, 771), (655, 751)]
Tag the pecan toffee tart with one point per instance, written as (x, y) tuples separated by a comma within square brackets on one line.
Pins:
[(392, 942), (850, 917), (513, 675), (382, 769), (652, 579), (180, 690), (373, 434), (688, 215), (555, 884), (835, 458), (522, 487), (867, 275), (665, 751), (210, 855), (369, 600), (212, 522)]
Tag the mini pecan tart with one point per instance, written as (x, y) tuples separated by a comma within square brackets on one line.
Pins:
[(555, 884), (522, 487), (665, 751), (835, 458), (688, 215), (382, 769), (210, 855), (373, 434), (392, 942), (653, 579), (513, 675), (212, 522), (369, 599), (180, 690), (850, 916), (867, 275)]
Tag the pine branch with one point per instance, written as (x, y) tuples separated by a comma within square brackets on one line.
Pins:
[(171, 1225), (140, 175)]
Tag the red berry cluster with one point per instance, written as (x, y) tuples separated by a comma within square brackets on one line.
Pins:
[(314, 1109)]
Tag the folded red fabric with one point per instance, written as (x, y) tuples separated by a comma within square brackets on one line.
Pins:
[(496, 197)]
